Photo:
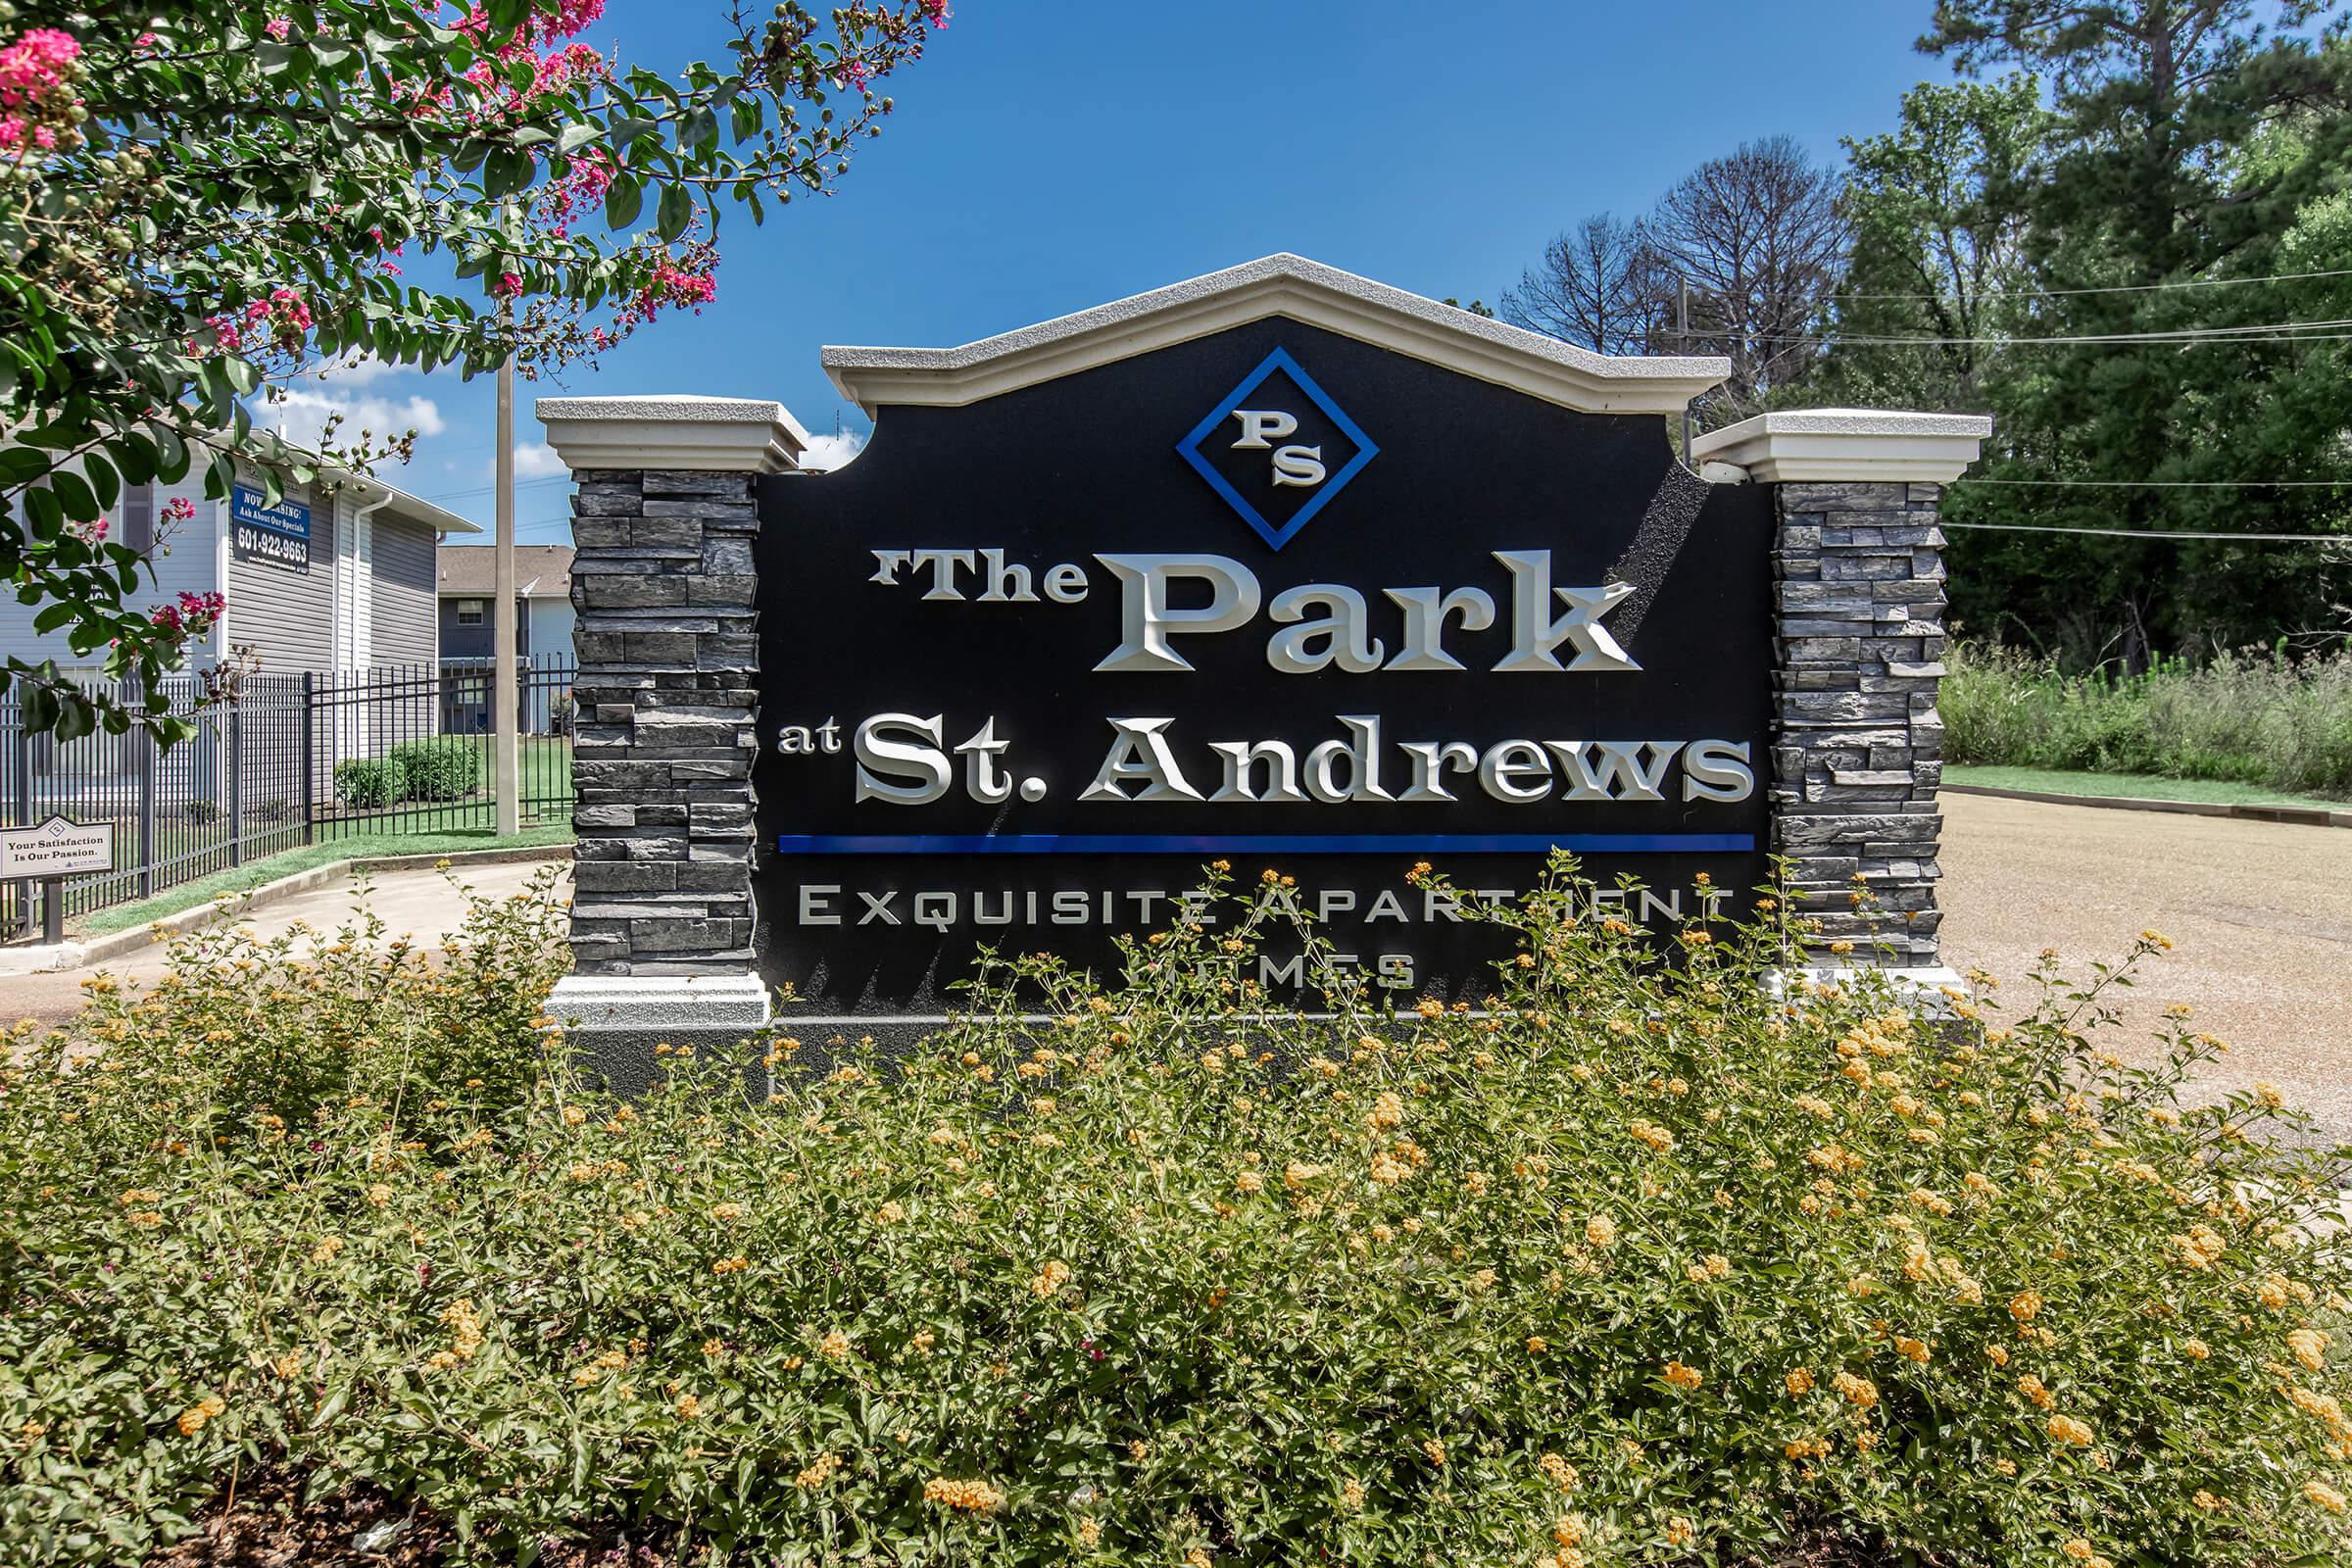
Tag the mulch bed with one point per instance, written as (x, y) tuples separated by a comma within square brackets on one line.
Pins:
[(265, 1525)]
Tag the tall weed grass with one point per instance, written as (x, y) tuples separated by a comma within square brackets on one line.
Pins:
[(2246, 718)]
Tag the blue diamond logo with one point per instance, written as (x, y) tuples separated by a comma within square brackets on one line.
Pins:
[(1278, 449)]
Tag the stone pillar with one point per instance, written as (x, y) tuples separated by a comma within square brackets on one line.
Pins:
[(1858, 745), (665, 711)]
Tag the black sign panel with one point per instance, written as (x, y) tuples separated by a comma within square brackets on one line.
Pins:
[(1273, 595)]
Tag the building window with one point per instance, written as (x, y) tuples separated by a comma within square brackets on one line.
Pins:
[(469, 611), (138, 518)]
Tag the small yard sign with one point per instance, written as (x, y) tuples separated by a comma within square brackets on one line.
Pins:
[(55, 848)]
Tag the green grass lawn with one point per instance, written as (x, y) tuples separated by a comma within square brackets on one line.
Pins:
[(546, 767), (2131, 786), (358, 845)]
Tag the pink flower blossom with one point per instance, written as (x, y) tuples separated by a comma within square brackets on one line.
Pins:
[(37, 60), (36, 98), (145, 41), (179, 508), (277, 28), (938, 11), (192, 616), (580, 187), (509, 285)]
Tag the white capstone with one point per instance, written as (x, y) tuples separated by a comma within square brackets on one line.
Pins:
[(1847, 445), (634, 1002), (1289, 286), (678, 432)]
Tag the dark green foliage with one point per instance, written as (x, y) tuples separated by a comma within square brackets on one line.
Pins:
[(367, 783), (439, 767), (2181, 144)]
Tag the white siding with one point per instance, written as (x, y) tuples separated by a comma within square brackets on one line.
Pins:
[(551, 623), (287, 616), (185, 562), (404, 613)]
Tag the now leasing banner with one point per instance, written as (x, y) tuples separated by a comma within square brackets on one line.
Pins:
[(1274, 596), (278, 534)]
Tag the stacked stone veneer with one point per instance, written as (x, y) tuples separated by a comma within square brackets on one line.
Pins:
[(665, 705), (1857, 745)]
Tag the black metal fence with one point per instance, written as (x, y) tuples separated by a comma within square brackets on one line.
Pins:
[(296, 759)]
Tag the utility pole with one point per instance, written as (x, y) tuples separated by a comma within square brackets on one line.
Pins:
[(506, 773)]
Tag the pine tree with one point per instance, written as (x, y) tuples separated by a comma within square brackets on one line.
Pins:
[(2192, 152)]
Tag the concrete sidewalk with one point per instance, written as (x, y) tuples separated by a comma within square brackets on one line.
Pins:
[(416, 903)]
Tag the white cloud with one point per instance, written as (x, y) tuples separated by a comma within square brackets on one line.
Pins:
[(826, 451), (536, 460), (300, 416)]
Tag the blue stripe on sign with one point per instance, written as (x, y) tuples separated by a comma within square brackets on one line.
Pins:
[(1264, 843)]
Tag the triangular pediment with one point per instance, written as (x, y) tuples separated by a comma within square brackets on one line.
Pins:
[(1289, 286)]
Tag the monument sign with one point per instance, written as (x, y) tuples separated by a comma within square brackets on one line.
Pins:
[(1272, 596), (1278, 566)]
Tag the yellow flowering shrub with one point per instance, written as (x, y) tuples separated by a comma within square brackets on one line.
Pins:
[(1633, 1262)]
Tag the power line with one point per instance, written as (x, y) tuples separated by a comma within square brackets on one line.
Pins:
[(2169, 484), (485, 489), (2155, 533), (2283, 332), (2116, 288)]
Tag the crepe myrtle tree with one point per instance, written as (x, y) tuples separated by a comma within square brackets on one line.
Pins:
[(204, 200)]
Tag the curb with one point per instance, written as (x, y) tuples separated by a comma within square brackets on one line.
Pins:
[(2294, 815), (237, 905)]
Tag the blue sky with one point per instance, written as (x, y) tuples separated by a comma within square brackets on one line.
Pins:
[(1050, 155)]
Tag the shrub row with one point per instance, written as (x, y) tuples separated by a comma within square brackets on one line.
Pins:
[(2248, 719), (440, 767), (1626, 1266)]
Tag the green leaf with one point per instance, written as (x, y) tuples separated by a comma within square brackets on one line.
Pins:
[(22, 466), (622, 200), (171, 455), (37, 705), (577, 136), (506, 172), (135, 455), (699, 126), (76, 718), (676, 211), (104, 481), (73, 493)]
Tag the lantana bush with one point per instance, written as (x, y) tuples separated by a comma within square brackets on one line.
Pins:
[(1637, 1261)]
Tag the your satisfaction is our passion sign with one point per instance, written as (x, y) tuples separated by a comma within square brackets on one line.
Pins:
[(1276, 595)]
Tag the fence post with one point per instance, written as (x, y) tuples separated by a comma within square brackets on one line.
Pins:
[(236, 785), (144, 739), (309, 761), (23, 809)]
